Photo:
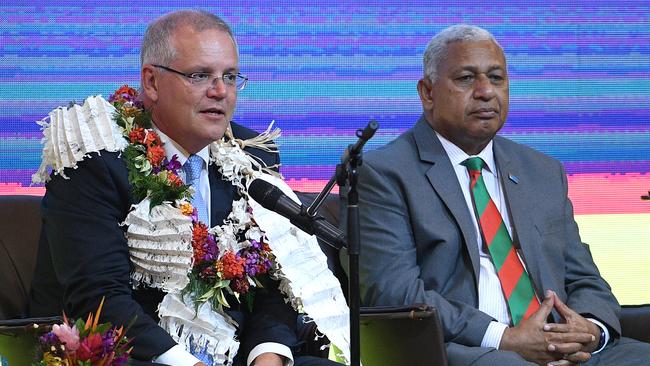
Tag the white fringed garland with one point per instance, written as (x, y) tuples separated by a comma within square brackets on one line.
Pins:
[(73, 133)]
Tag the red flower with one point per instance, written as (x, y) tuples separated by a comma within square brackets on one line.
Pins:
[(199, 237), (124, 94), (91, 348), (240, 285), (137, 135), (233, 266), (155, 155)]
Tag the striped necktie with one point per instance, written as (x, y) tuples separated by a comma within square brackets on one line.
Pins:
[(192, 169), (515, 282)]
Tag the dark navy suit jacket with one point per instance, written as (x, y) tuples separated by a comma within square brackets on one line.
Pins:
[(83, 256)]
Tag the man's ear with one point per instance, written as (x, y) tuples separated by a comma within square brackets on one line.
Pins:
[(149, 82), (425, 88)]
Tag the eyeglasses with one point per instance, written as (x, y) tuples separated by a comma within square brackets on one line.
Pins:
[(204, 78)]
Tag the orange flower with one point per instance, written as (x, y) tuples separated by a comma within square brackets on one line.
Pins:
[(199, 234), (131, 111), (175, 181), (155, 155), (152, 139), (186, 208), (137, 135), (233, 266), (199, 237)]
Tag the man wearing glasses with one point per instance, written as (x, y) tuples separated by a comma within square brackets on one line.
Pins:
[(189, 81)]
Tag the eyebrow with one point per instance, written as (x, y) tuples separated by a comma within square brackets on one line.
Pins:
[(209, 70), (475, 69)]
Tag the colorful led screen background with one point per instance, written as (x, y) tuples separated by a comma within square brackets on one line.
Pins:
[(580, 89)]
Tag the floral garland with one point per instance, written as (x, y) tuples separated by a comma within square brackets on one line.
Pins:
[(76, 343), (227, 259)]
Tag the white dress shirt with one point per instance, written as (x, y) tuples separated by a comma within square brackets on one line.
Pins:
[(490, 294), (177, 355)]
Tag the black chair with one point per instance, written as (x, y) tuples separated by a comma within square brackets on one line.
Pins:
[(20, 226), (390, 335)]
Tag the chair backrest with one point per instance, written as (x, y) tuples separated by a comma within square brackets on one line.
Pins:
[(20, 228), (405, 335), (330, 211)]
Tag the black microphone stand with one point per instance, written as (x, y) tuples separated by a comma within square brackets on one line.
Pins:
[(347, 172)]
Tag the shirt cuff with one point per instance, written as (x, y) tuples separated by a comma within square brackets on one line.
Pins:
[(493, 334), (604, 332), (177, 356), (271, 347)]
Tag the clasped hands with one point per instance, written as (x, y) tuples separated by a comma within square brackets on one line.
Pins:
[(555, 344)]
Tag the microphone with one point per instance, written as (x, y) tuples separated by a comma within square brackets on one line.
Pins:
[(272, 198)]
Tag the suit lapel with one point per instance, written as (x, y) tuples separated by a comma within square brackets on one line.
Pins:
[(517, 189), (443, 179), (222, 194)]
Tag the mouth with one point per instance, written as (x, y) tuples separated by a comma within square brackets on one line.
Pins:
[(485, 113), (213, 112)]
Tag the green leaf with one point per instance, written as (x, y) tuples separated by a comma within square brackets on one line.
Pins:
[(81, 325), (222, 299), (206, 296), (101, 328)]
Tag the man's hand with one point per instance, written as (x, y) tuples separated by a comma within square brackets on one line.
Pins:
[(576, 330), (531, 342), (268, 359)]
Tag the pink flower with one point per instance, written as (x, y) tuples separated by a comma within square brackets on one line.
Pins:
[(67, 335)]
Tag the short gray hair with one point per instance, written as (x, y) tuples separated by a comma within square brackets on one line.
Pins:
[(157, 47), (436, 50)]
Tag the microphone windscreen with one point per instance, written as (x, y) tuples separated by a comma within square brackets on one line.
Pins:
[(265, 193)]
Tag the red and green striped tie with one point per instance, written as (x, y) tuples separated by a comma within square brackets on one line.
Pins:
[(515, 282)]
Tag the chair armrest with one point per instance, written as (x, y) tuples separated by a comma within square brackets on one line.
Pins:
[(413, 311), (19, 338), (390, 335), (403, 335), (635, 322), (28, 325)]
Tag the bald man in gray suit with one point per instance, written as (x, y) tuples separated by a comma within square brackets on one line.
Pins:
[(421, 241)]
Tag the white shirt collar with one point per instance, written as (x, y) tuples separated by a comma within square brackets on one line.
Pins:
[(173, 148), (457, 155)]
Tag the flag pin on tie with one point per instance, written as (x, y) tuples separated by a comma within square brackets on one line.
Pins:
[(513, 178)]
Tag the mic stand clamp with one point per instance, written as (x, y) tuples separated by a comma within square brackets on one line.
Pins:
[(339, 177)]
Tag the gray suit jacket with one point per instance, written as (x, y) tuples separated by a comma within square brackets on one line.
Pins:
[(418, 243)]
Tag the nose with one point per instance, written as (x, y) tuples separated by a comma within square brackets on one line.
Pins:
[(483, 88), (217, 89)]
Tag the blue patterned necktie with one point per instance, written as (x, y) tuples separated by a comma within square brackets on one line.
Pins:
[(192, 169)]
